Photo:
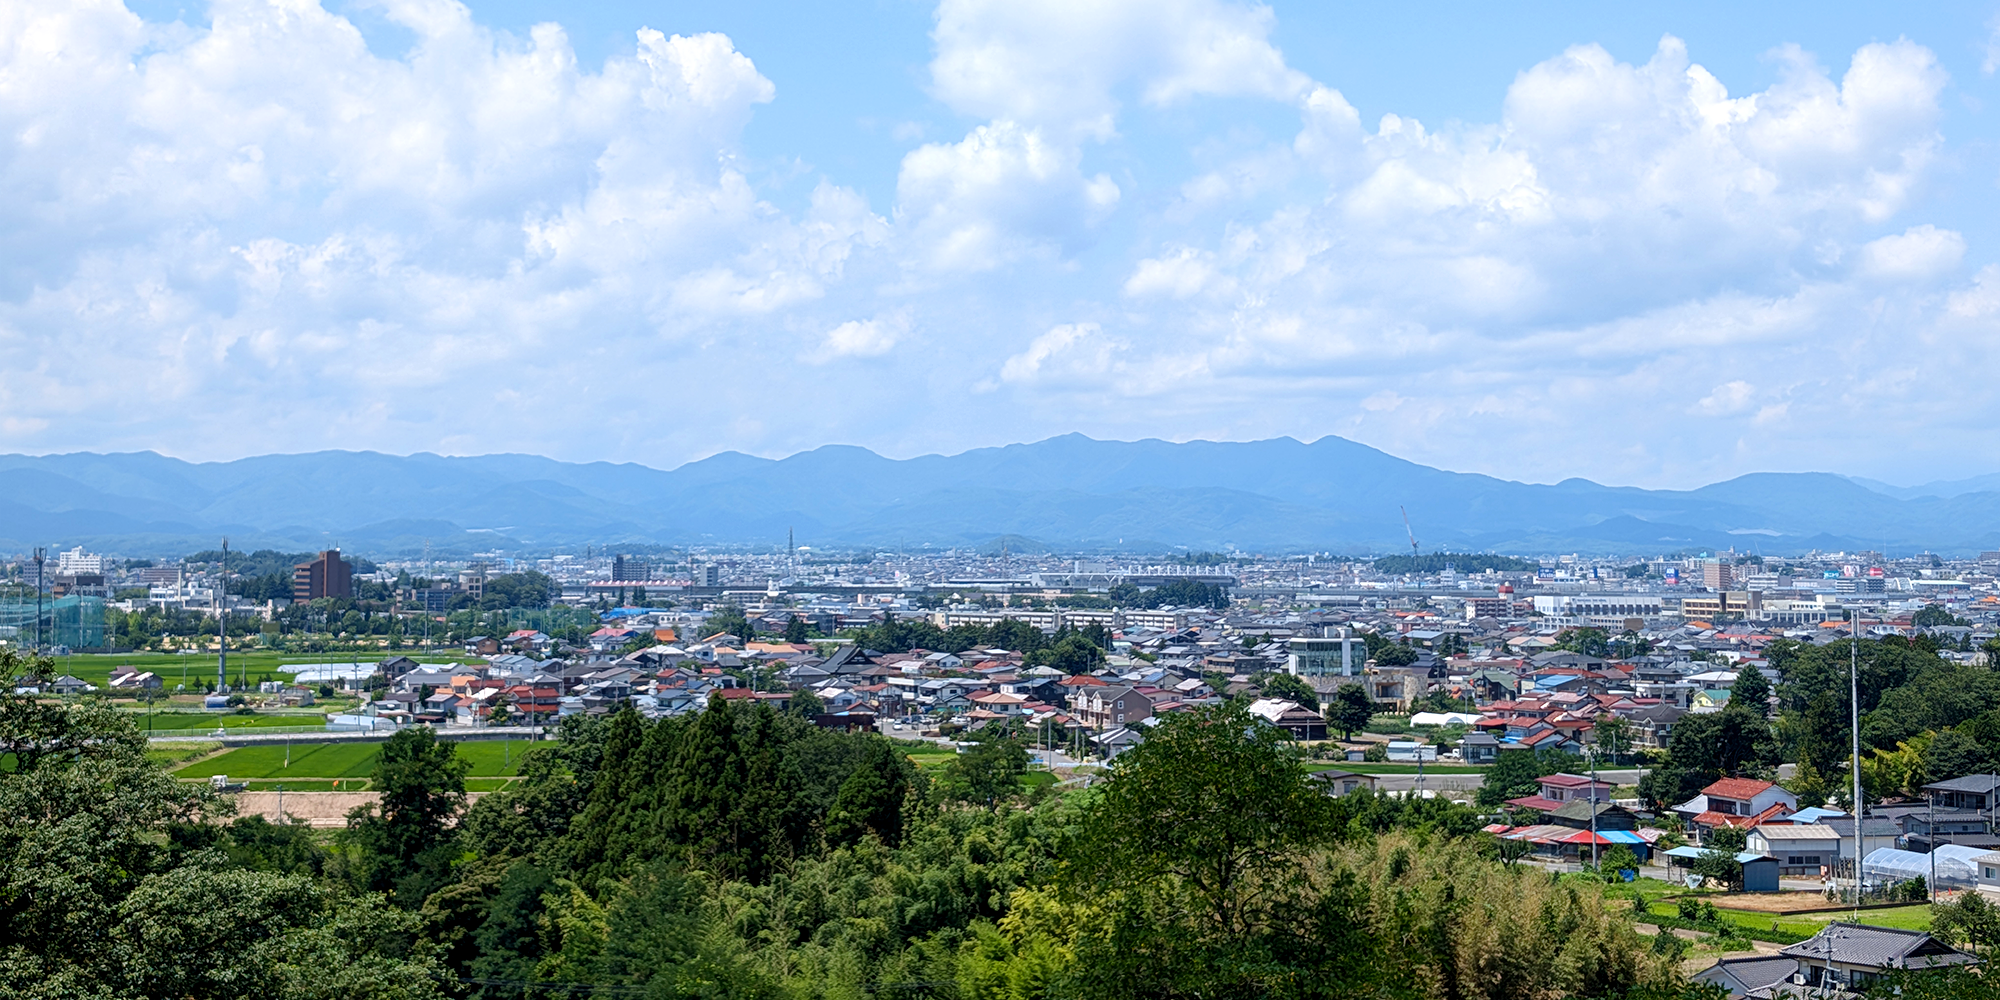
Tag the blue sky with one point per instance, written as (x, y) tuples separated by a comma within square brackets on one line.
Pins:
[(1648, 244)]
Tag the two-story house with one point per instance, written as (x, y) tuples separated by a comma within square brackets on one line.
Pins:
[(1740, 802), (1103, 708)]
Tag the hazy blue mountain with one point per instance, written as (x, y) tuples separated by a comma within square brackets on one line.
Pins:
[(1943, 489), (1069, 491)]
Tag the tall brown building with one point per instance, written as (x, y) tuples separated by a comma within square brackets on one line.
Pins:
[(327, 576), (1717, 575)]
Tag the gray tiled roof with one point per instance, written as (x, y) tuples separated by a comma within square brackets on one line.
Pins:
[(1742, 976), (1878, 947), (1982, 784)]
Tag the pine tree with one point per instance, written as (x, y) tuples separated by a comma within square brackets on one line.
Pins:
[(766, 810), (704, 791), (871, 799), (610, 798), (1752, 690)]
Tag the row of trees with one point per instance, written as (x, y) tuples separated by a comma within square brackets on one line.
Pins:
[(337, 619), (1070, 650)]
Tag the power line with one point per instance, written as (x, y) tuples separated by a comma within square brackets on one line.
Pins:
[(552, 987)]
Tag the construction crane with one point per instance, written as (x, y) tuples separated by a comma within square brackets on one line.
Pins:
[(1411, 531)]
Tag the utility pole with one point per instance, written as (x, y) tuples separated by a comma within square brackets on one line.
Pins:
[(1930, 886), (1590, 753), (1854, 719), (40, 555), (222, 622)]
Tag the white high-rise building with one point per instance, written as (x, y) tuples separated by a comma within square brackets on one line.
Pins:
[(1324, 657), (78, 561)]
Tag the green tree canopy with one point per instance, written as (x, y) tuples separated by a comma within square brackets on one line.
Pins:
[(1514, 773), (115, 881), (1350, 710), (1292, 688), (1752, 689), (421, 784)]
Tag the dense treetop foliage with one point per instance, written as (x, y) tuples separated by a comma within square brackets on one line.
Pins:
[(1463, 562)]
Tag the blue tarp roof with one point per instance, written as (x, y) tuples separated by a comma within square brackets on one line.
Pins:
[(1621, 836)]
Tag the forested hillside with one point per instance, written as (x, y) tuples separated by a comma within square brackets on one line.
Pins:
[(743, 853)]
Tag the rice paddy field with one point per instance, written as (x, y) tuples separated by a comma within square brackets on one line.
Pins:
[(492, 762), (168, 723), (195, 668)]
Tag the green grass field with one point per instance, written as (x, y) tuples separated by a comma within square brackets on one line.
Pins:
[(1909, 918), (180, 752), (308, 785), (308, 760), (172, 722), (930, 760), (195, 668), (493, 758), (489, 759)]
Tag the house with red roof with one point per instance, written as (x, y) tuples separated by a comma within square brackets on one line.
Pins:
[(1737, 802)]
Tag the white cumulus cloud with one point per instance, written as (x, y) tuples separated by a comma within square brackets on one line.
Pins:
[(1919, 253), (282, 241), (861, 338)]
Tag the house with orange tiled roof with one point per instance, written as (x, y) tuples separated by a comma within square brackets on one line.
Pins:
[(1737, 802)]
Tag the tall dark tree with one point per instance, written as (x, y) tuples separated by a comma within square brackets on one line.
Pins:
[(1350, 710), (1514, 774), (871, 799), (989, 771), (796, 630), (613, 792), (1196, 847), (1703, 748), (1752, 690), (1955, 753), (770, 817), (420, 781), (510, 940), (1071, 654), (704, 790)]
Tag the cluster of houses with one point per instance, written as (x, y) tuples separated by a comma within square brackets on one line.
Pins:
[(1511, 690)]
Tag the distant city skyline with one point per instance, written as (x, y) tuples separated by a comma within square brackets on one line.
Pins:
[(1658, 246)]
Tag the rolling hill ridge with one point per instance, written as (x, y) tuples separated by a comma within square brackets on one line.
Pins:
[(1071, 491)]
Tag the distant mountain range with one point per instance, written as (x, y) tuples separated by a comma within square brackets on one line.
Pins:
[(1067, 492)]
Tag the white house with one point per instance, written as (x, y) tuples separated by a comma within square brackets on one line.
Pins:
[(1801, 849), (1744, 802)]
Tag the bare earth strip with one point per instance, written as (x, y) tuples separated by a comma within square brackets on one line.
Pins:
[(322, 809)]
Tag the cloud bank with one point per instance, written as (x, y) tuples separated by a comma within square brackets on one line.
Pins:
[(259, 235)]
